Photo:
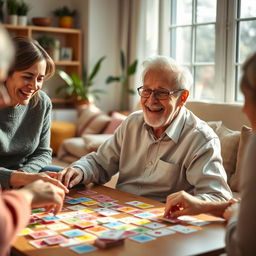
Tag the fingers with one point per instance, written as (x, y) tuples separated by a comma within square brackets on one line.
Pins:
[(172, 204), (54, 181), (71, 176)]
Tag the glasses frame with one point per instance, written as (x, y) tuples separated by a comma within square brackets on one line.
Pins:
[(156, 93)]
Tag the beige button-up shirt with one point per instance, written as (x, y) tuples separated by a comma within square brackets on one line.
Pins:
[(186, 157)]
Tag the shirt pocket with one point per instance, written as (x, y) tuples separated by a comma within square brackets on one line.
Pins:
[(166, 174)]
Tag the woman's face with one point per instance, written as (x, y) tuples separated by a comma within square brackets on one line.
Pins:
[(22, 85)]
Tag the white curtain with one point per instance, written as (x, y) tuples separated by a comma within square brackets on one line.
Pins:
[(139, 36)]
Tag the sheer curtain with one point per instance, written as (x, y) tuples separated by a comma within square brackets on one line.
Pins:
[(139, 36)]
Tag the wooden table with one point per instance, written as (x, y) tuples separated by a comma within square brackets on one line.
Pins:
[(209, 240)]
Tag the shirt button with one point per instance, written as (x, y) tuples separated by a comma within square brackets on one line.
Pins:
[(150, 163)]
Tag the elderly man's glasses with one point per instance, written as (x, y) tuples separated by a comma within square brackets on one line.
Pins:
[(159, 94)]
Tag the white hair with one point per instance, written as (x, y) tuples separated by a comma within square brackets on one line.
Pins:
[(181, 74), (6, 49)]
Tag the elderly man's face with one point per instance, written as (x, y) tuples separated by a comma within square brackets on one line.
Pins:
[(159, 113)]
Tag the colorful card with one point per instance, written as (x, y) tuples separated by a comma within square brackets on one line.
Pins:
[(87, 192), (114, 225), (42, 234), (72, 220), (161, 232), (38, 210), (70, 242), (126, 227), (25, 231), (112, 234), (141, 230), (73, 233), (142, 238), (97, 197), (55, 240), (108, 204), (83, 225), (154, 225), (134, 203), (86, 238), (97, 230), (183, 229), (106, 212), (73, 201), (127, 209), (76, 207), (129, 233), (39, 243), (83, 248), (145, 215), (128, 220), (144, 206), (57, 226), (103, 220), (141, 222), (89, 203)]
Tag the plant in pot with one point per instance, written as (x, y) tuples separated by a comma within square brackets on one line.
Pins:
[(66, 16), (12, 8), (22, 11), (81, 89), (47, 42), (123, 79)]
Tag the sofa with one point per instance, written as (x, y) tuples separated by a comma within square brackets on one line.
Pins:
[(227, 120)]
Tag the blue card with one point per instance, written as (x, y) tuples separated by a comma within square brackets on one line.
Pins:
[(142, 238), (73, 201), (50, 218), (73, 233), (83, 248), (114, 224), (83, 199)]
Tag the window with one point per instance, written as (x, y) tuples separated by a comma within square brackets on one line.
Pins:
[(212, 38)]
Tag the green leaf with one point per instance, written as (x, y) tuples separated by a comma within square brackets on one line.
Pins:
[(65, 77), (132, 68), (96, 68), (59, 89), (131, 91), (122, 60), (96, 91), (112, 79)]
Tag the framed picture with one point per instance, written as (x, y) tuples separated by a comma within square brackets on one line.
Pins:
[(66, 53)]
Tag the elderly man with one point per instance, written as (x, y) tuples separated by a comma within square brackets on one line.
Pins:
[(161, 150)]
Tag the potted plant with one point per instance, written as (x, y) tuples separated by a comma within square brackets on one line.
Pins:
[(47, 42), (81, 89), (22, 11), (123, 78), (66, 16), (12, 7)]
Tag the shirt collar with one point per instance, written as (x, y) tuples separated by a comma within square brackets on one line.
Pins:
[(176, 126)]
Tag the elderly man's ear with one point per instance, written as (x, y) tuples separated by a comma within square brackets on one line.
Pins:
[(183, 97)]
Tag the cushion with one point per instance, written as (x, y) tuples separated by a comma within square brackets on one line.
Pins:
[(59, 132), (91, 120), (74, 147), (115, 121), (246, 132), (93, 141), (229, 141)]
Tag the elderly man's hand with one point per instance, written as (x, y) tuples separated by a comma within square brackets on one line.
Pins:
[(231, 211), (71, 176), (182, 203)]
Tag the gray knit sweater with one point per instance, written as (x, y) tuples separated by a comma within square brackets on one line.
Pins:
[(25, 138)]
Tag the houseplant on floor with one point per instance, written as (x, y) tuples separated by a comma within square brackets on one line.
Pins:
[(123, 79), (81, 89)]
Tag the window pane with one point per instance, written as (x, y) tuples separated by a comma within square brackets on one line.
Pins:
[(205, 43), (247, 37), (239, 95), (204, 82), (206, 11), (181, 12), (248, 8), (181, 44)]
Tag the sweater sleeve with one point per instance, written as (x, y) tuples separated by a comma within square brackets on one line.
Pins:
[(5, 175), (14, 216), (240, 237), (42, 155)]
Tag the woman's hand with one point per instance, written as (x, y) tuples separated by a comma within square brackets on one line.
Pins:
[(44, 194), (19, 178)]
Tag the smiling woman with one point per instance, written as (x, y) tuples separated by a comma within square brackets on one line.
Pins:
[(25, 121)]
